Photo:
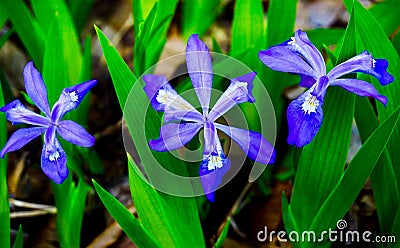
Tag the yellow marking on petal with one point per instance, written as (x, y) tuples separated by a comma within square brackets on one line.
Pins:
[(214, 162)]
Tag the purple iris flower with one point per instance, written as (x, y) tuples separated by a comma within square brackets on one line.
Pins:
[(183, 121), (53, 156), (298, 55)]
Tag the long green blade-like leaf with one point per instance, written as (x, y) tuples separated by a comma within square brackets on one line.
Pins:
[(62, 58), (371, 37), (4, 204), (388, 14), (19, 240), (187, 224), (131, 226), (27, 28), (198, 15), (383, 179), (354, 177), (322, 161), (80, 10)]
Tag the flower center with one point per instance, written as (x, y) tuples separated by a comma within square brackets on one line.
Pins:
[(171, 100), (214, 162), (54, 156), (310, 104)]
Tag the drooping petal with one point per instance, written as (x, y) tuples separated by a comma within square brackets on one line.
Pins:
[(198, 61), (303, 46), (20, 138), (164, 98), (212, 169), (174, 136), (17, 113), (304, 116), (364, 63), (252, 143), (70, 99), (54, 162), (210, 138), (239, 91), (75, 134), (280, 58), (360, 88), (36, 88)]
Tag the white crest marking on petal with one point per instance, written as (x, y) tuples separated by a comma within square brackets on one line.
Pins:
[(171, 101), (214, 162), (310, 104), (373, 63), (292, 42), (73, 96), (54, 156)]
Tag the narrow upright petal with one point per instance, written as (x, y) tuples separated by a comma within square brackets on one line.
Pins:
[(20, 138), (280, 58), (306, 81), (210, 138), (360, 88), (364, 63), (54, 162), (304, 119), (70, 99), (253, 144), (303, 46), (174, 136), (75, 134), (17, 113), (198, 61), (239, 91), (212, 169), (164, 98), (35, 88)]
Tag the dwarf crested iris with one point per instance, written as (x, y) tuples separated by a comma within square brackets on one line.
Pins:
[(298, 55), (53, 159), (183, 121)]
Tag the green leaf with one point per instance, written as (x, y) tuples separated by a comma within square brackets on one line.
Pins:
[(223, 235), (353, 179), (388, 14), (80, 10), (70, 202), (322, 161), (248, 30), (152, 36), (281, 18), (122, 76), (181, 211), (27, 28), (141, 9), (372, 37), (325, 36), (4, 204), (198, 15), (19, 240), (3, 16), (62, 58), (383, 179), (129, 224)]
